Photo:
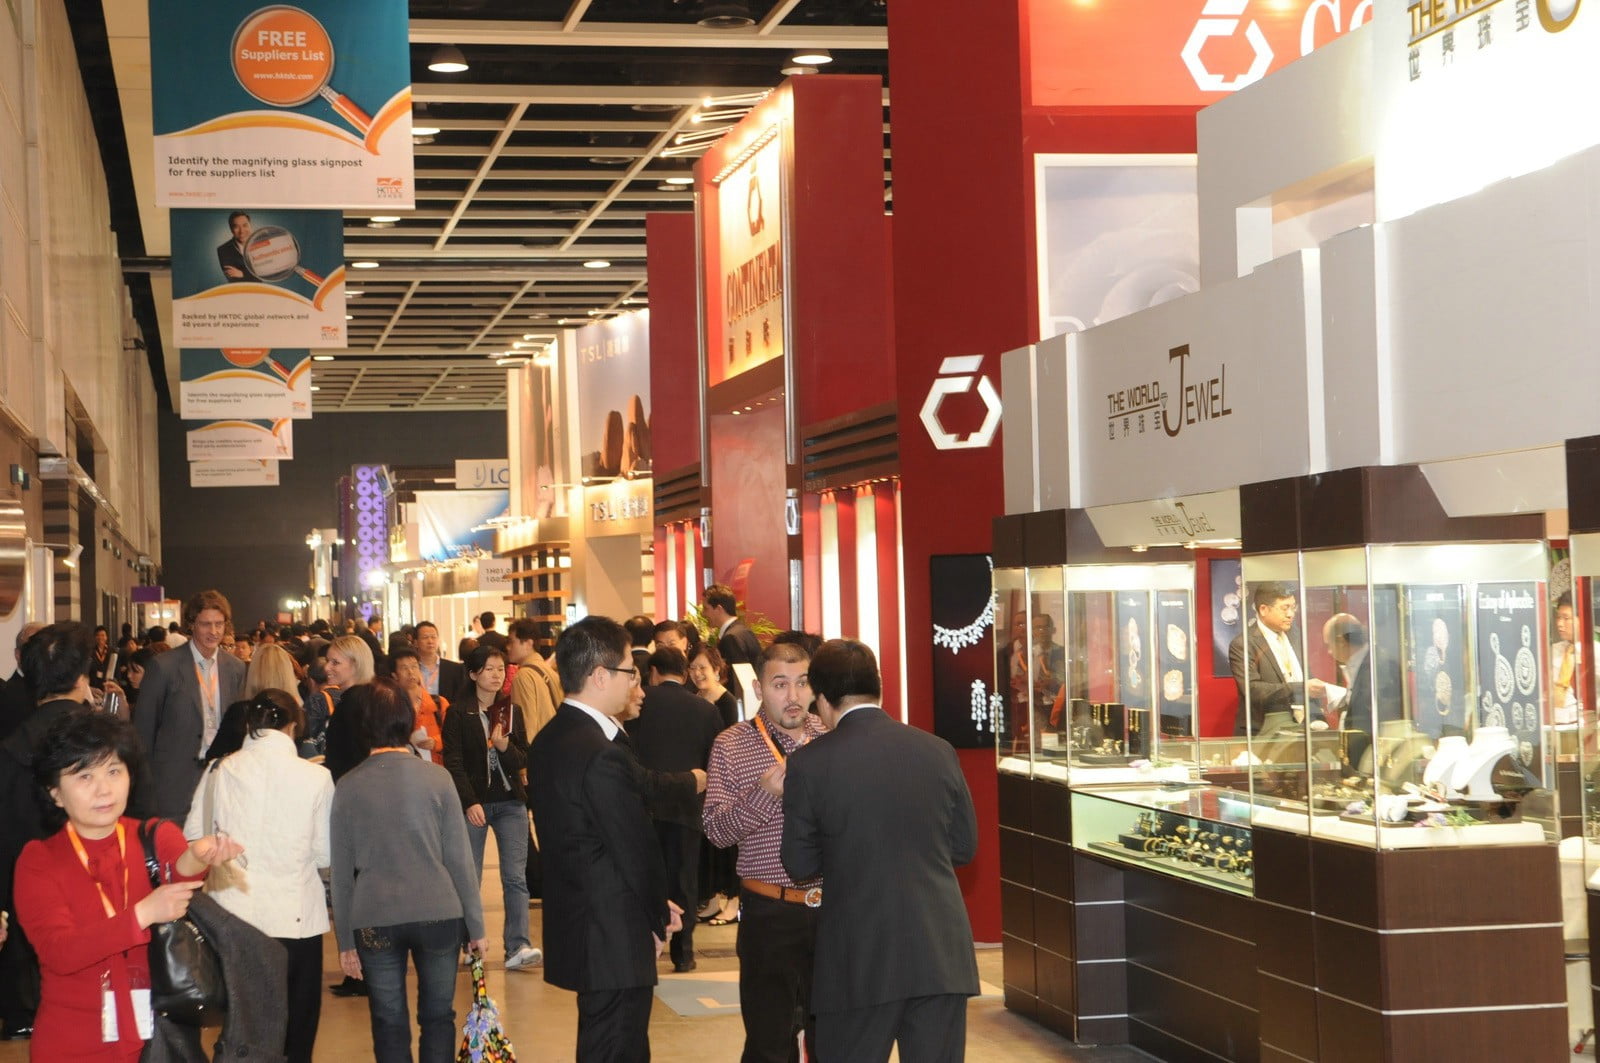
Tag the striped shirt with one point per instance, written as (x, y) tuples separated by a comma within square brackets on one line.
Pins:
[(738, 811)]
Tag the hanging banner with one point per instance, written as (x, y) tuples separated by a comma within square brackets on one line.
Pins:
[(298, 365), (451, 522), (256, 440), (258, 278), (614, 425), (288, 105), (233, 474), (239, 382)]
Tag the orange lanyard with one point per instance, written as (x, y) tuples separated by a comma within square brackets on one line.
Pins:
[(83, 858), (208, 694), (766, 736)]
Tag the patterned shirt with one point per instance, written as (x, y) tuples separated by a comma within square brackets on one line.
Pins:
[(738, 811)]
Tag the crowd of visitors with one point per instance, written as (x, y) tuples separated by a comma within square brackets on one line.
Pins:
[(290, 770)]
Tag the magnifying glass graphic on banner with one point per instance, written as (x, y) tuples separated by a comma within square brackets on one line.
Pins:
[(273, 255), (284, 57), (250, 357)]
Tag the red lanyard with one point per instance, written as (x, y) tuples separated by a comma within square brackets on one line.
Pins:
[(766, 736), (83, 858)]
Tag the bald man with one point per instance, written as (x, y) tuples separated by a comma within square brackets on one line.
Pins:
[(1348, 645)]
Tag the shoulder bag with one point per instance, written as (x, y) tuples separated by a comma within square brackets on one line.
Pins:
[(185, 972)]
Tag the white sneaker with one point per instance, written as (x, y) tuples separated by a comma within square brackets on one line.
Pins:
[(524, 959)]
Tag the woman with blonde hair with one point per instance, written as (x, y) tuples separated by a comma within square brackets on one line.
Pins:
[(272, 668)]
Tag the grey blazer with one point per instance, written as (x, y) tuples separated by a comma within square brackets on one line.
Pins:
[(170, 719)]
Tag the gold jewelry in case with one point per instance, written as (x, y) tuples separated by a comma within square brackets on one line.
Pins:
[(1150, 843), (1229, 857)]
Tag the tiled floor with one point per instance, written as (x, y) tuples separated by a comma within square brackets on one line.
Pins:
[(542, 1021)]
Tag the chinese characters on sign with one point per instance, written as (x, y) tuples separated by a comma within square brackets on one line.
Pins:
[(1144, 406), (1442, 31)]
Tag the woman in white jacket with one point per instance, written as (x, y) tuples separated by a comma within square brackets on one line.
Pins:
[(277, 806)]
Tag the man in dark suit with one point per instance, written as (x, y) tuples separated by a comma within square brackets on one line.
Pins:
[(1350, 648), (735, 641), (605, 889), (641, 636), (882, 812), (1266, 669), (16, 699), (181, 702), (674, 733), (230, 254), (438, 675)]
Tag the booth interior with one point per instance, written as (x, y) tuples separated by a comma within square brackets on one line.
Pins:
[(1296, 604)]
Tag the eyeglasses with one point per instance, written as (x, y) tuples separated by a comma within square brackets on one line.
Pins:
[(631, 673)]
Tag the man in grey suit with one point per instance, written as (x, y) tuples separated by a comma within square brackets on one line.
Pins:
[(882, 812), (181, 702)]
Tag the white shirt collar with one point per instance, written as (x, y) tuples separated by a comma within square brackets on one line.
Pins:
[(200, 658), (726, 624), (607, 724)]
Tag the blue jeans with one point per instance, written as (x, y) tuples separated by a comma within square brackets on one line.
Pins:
[(433, 947), (509, 821)]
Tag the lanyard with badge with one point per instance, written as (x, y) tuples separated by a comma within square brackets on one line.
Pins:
[(143, 1016), (766, 736)]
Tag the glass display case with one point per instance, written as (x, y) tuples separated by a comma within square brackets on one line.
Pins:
[(1193, 831), (1096, 667), (1399, 695)]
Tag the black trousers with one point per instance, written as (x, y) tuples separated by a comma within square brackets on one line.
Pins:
[(927, 1029), (304, 1000), (777, 941), (614, 1025), (680, 848)]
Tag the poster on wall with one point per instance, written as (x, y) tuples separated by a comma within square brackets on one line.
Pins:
[(613, 375), (1509, 676), (1134, 649), (1437, 662), (965, 705), (235, 382), (261, 440), (1116, 235), (450, 523), (228, 473), (258, 278), (1230, 613), (288, 105), (744, 303), (1175, 670), (544, 466)]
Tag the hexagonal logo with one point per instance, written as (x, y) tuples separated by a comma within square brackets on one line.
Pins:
[(957, 376), (1221, 18)]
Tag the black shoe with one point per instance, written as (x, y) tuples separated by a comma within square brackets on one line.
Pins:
[(684, 967), (350, 987), (16, 1033)]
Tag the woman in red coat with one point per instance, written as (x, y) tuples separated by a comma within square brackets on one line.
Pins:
[(85, 899)]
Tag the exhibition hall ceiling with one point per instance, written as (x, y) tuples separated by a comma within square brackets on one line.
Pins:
[(550, 150)]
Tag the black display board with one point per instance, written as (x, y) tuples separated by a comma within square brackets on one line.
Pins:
[(965, 710), (1509, 676)]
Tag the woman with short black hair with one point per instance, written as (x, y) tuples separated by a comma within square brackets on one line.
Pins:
[(85, 900), (277, 805), (402, 893)]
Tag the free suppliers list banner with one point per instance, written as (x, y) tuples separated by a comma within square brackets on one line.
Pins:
[(290, 105)]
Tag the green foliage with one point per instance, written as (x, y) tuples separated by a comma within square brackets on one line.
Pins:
[(759, 623)]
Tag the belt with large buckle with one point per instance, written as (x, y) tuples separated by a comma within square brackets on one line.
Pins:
[(810, 897)]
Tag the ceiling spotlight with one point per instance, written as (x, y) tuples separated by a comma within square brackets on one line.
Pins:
[(365, 263), (447, 59), (597, 263), (384, 218), (811, 57), (322, 357), (687, 179), (725, 15), (424, 130)]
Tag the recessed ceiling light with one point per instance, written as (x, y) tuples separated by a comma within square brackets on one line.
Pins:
[(384, 218), (686, 179), (664, 187), (424, 130), (351, 293), (365, 263), (797, 71), (811, 57), (597, 263), (609, 160), (349, 317), (376, 224), (562, 321), (322, 357), (314, 387), (447, 59), (725, 15), (461, 387)]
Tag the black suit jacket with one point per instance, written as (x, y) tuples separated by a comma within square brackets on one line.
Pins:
[(170, 719), (739, 644), (1263, 684), (16, 703), (605, 886), (452, 678), (466, 752), (881, 811), (228, 254), (674, 733)]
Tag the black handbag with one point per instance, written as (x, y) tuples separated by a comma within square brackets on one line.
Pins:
[(186, 983)]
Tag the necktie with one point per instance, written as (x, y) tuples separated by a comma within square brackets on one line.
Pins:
[(1286, 658)]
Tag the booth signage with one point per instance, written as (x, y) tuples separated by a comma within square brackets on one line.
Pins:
[(494, 575), (614, 425), (258, 278), (1442, 32), (957, 376), (233, 474), (1180, 52), (483, 474), (745, 305), (238, 439), (302, 105), (1191, 518)]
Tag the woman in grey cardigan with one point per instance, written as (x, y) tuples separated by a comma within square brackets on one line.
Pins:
[(403, 883)]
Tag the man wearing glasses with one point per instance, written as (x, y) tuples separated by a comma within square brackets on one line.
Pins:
[(606, 913), (1272, 682)]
